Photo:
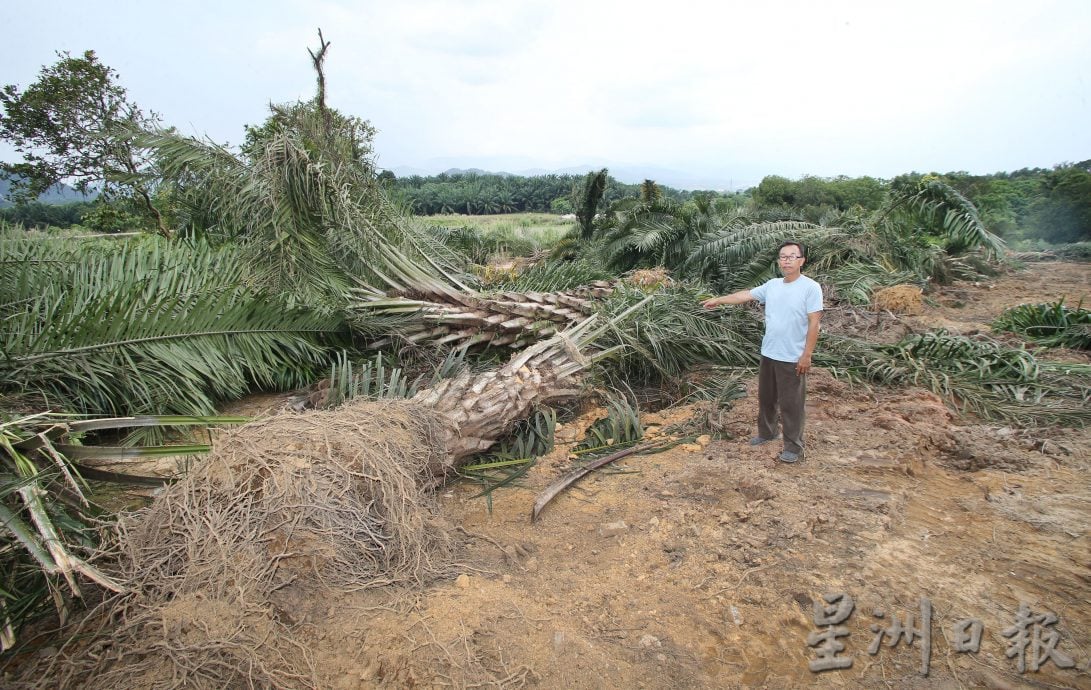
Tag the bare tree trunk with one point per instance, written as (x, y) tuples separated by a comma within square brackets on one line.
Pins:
[(318, 58)]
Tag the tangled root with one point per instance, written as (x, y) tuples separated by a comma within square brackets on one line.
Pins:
[(221, 565)]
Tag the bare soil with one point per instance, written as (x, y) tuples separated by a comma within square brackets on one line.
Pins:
[(701, 566)]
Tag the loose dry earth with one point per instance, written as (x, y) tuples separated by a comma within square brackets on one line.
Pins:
[(700, 567), (711, 582)]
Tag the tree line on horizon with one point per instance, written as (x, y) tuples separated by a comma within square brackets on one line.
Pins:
[(486, 193), (68, 158), (77, 130), (1031, 204), (1050, 205)]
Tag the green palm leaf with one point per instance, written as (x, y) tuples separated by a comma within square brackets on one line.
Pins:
[(674, 333), (307, 212), (942, 205), (147, 327), (973, 374)]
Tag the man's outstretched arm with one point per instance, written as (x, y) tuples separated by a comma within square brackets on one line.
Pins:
[(740, 297)]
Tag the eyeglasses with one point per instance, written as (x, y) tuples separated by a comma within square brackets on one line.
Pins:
[(789, 257)]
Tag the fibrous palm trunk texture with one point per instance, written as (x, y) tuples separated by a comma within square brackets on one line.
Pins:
[(477, 409), (466, 319)]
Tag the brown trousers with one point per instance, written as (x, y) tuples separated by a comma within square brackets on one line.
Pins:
[(779, 386)]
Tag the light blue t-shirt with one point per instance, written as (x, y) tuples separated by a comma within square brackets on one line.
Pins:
[(786, 309)]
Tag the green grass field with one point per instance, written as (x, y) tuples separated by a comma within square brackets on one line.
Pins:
[(517, 230)]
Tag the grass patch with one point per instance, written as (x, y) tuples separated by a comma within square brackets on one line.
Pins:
[(508, 234)]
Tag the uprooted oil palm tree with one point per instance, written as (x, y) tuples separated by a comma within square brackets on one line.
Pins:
[(278, 236), (128, 328)]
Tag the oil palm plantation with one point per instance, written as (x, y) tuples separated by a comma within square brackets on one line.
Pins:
[(929, 232), (291, 249)]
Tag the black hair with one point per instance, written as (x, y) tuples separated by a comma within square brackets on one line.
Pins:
[(802, 249)]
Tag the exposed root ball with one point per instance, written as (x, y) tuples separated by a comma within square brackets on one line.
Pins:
[(223, 561)]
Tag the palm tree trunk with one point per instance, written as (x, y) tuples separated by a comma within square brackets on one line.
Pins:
[(477, 409)]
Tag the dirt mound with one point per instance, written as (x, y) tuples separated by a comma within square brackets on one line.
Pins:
[(900, 299), (649, 277), (226, 565)]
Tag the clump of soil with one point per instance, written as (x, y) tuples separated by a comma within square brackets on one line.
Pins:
[(900, 299)]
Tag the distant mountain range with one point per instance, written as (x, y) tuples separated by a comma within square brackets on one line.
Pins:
[(57, 194), (626, 174)]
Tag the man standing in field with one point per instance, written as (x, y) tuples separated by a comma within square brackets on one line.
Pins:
[(793, 308)]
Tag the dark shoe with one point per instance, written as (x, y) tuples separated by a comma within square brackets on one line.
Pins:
[(758, 440), (788, 456)]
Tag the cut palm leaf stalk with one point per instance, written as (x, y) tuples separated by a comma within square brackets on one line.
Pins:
[(508, 319), (32, 514), (574, 476), (101, 463), (60, 426)]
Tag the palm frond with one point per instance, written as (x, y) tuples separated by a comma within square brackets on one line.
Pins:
[(48, 535), (529, 439), (1050, 324), (944, 206), (745, 255), (620, 427), (372, 379), (675, 333), (312, 218), (856, 282), (974, 375), (149, 327)]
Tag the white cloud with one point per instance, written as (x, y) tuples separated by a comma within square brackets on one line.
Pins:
[(730, 88)]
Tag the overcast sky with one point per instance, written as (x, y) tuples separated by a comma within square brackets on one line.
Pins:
[(723, 91)]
